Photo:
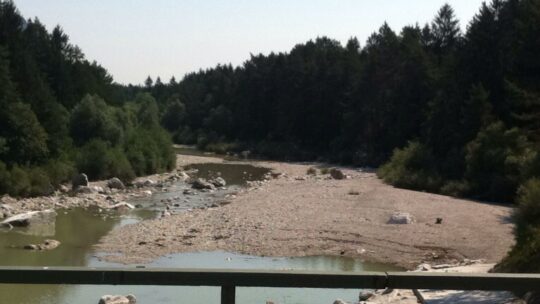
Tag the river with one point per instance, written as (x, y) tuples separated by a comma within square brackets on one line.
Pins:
[(79, 229)]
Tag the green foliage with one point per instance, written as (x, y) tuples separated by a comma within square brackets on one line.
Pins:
[(221, 147), (150, 151), (59, 171), (25, 138), (39, 182), (93, 118), (495, 161), (456, 188), (60, 113), (119, 165), (527, 213), (185, 136), (413, 167), (148, 112), (99, 161), (20, 182), (525, 257), (174, 115), (5, 178), (94, 159)]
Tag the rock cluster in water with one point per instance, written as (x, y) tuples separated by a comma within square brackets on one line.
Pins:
[(108, 299)]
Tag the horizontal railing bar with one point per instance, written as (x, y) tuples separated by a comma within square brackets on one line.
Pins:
[(190, 277), (463, 281), (272, 278)]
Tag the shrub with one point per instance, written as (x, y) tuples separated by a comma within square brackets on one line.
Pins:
[(93, 118), (525, 256), (99, 161), (150, 151), (39, 182), (455, 188), (93, 159), (20, 183), (119, 165), (185, 136), (413, 167), (5, 178), (495, 161), (59, 171), (527, 214), (312, 171), (221, 147)]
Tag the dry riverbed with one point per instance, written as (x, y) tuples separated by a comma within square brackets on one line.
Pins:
[(296, 214)]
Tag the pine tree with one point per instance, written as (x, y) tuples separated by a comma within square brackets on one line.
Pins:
[(148, 83), (445, 29)]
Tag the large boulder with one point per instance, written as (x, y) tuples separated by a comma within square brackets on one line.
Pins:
[(245, 154), (122, 206), (85, 190), (201, 183), (149, 183), (532, 297), (7, 200), (108, 299), (30, 218), (5, 211), (46, 245), (218, 182), (336, 174), (79, 180), (365, 295), (401, 218), (115, 183)]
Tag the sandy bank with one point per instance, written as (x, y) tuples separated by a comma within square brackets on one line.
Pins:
[(447, 296), (297, 215)]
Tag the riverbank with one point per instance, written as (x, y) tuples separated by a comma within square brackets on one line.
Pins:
[(297, 214), (96, 195), (445, 296)]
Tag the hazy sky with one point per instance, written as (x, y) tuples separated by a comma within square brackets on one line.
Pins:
[(137, 38)]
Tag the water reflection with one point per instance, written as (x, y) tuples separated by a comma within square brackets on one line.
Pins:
[(76, 229)]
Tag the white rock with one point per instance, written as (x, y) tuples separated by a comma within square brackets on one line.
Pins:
[(115, 183), (28, 218), (149, 183), (85, 190), (122, 205), (401, 218), (108, 299), (79, 180)]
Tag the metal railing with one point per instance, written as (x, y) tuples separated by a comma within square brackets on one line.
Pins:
[(228, 280)]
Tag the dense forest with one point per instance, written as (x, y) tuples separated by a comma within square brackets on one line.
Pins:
[(454, 112), (434, 108), (61, 114)]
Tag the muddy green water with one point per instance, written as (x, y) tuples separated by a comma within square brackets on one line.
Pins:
[(78, 230), (234, 174)]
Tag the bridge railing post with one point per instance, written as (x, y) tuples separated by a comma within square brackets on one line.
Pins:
[(228, 294)]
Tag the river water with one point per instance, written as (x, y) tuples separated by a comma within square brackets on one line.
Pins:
[(78, 230)]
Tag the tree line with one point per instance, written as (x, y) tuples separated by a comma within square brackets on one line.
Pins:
[(61, 114)]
